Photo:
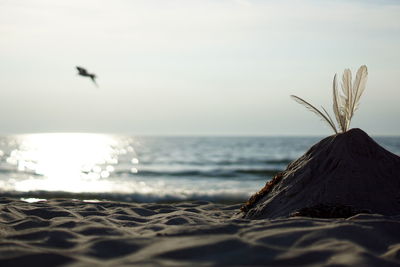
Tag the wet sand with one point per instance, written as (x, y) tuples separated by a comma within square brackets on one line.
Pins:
[(76, 233)]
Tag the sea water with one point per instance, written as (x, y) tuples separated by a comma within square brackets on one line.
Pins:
[(147, 169)]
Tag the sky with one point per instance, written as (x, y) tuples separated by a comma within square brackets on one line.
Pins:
[(222, 67)]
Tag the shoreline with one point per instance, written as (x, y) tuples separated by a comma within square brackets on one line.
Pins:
[(76, 233), (42, 195)]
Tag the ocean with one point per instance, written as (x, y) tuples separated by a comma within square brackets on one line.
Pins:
[(146, 169)]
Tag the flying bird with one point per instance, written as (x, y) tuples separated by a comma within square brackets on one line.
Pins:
[(83, 72)]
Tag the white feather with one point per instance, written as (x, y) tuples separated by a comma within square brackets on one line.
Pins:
[(359, 86), (337, 101), (315, 110), (347, 93)]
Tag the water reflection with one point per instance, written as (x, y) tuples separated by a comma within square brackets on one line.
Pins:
[(96, 166), (71, 162)]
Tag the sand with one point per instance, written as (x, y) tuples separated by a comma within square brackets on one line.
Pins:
[(77, 233)]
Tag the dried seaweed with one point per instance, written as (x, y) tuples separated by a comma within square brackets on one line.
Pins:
[(263, 192)]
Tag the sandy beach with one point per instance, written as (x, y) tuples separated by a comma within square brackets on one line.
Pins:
[(79, 233)]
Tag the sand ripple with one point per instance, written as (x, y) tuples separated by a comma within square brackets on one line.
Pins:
[(76, 233)]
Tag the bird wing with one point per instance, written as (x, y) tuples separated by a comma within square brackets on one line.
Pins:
[(82, 70)]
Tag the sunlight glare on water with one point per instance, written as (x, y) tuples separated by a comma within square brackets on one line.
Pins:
[(71, 162), (143, 168)]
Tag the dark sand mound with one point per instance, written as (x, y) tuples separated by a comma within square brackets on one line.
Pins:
[(340, 176)]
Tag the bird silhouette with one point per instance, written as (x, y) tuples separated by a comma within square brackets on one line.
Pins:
[(83, 72)]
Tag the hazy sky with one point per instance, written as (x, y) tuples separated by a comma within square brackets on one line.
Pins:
[(193, 67)]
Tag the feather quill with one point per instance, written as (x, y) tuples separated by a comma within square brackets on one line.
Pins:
[(314, 110)]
